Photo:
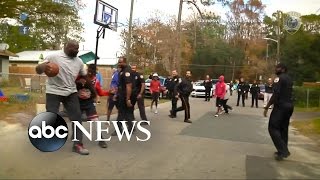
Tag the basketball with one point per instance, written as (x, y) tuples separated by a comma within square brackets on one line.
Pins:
[(52, 69)]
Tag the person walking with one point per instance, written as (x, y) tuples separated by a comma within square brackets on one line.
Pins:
[(225, 105), (283, 107), (138, 91), (170, 86), (220, 92), (268, 92), (125, 98), (100, 79), (112, 99), (208, 86), (155, 91), (183, 90)]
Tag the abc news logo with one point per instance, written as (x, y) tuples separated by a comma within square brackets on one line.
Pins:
[(48, 131)]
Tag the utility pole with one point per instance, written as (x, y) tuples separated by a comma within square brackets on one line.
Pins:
[(178, 50), (278, 34), (130, 33)]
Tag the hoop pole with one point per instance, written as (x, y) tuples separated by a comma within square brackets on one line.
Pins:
[(100, 29)]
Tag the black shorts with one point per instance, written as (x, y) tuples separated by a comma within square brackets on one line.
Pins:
[(219, 102), (111, 103), (155, 96), (90, 111)]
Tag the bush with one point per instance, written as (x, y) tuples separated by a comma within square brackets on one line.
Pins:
[(300, 95)]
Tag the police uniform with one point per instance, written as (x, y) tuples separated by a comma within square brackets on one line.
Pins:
[(138, 81), (280, 116), (241, 92), (125, 112), (208, 86), (254, 90), (184, 88), (172, 82)]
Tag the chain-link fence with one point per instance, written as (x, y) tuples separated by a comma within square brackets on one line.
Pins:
[(307, 97), (21, 88)]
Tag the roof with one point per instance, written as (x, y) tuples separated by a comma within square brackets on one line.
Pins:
[(105, 61), (7, 53), (35, 56)]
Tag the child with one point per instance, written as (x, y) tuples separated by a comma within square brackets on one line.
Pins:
[(88, 88), (220, 92), (225, 100), (155, 91)]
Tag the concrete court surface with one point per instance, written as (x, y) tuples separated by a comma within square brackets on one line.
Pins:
[(234, 146)]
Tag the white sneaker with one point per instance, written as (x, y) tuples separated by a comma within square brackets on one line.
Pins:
[(156, 112), (216, 115)]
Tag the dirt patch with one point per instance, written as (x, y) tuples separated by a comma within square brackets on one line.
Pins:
[(307, 128)]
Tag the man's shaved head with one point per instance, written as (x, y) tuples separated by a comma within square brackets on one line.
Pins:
[(71, 48)]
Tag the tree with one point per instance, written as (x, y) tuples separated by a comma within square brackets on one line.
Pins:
[(50, 22)]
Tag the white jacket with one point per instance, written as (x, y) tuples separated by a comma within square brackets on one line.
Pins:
[(227, 95)]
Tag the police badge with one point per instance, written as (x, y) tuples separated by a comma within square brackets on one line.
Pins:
[(292, 22)]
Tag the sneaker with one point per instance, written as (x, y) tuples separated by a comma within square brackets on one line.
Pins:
[(102, 144), (171, 114), (156, 112), (187, 121), (221, 112), (216, 115), (78, 148)]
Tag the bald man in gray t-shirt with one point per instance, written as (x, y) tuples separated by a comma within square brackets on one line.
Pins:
[(62, 88)]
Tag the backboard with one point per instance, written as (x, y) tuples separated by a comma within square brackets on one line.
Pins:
[(106, 15)]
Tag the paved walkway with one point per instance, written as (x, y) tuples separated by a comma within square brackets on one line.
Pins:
[(234, 146)]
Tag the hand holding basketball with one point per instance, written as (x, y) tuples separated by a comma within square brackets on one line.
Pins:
[(52, 69)]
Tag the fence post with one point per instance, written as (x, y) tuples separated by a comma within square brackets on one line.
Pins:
[(307, 98)]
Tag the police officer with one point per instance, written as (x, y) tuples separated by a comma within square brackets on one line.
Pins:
[(207, 85), (138, 91), (241, 91), (282, 110), (172, 82), (183, 90), (125, 97), (254, 90)]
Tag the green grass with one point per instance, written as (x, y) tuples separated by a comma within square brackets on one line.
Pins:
[(300, 109), (29, 107), (309, 128)]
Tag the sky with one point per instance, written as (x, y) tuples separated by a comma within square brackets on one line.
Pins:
[(110, 46)]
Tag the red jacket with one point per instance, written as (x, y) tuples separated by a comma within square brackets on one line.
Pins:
[(155, 86), (220, 90), (98, 88)]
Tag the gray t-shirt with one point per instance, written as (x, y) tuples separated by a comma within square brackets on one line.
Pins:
[(69, 68)]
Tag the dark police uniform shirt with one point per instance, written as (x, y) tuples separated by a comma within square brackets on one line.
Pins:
[(241, 87), (184, 86), (255, 89), (138, 79), (125, 78), (207, 84), (282, 90), (172, 83)]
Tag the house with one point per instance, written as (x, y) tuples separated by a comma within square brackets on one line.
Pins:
[(26, 62), (4, 60)]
